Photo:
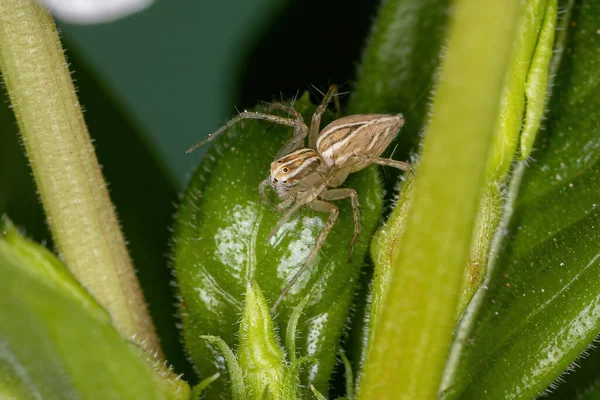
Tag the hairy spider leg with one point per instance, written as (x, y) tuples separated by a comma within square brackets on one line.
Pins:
[(404, 166), (285, 204), (321, 206), (308, 195), (247, 115), (315, 123), (338, 194), (300, 130), (284, 219), (262, 190)]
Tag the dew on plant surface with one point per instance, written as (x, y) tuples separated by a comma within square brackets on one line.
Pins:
[(574, 332), (298, 250), (211, 294), (289, 226), (218, 358), (316, 326), (314, 335), (237, 241)]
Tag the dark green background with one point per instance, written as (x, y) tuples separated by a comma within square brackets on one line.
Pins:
[(181, 67), (171, 67)]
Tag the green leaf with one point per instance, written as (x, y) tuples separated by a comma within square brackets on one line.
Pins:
[(512, 102), (536, 87), (542, 308), (349, 377), (199, 388), (45, 266), (220, 246), (290, 332), (317, 394), (291, 382), (580, 377), (236, 375), (52, 334)]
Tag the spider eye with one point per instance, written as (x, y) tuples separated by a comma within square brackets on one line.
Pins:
[(284, 181), (279, 162), (286, 170), (275, 180)]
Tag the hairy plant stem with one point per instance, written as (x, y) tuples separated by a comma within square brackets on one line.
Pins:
[(418, 314), (69, 180)]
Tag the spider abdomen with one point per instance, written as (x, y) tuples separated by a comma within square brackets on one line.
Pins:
[(348, 143)]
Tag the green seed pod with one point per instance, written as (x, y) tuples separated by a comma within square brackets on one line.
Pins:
[(220, 246)]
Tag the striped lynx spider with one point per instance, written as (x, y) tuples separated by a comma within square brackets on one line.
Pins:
[(312, 175)]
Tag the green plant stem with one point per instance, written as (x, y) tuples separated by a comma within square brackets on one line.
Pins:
[(68, 177), (414, 331)]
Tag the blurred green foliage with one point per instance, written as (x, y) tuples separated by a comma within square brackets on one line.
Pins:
[(156, 82), (47, 321)]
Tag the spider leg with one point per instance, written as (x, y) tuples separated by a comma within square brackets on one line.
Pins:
[(404, 166), (286, 108), (246, 115), (333, 211), (300, 130), (286, 216), (338, 194), (315, 123), (284, 204), (306, 193), (262, 191)]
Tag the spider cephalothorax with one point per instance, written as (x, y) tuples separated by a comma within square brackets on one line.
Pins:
[(290, 171), (310, 175)]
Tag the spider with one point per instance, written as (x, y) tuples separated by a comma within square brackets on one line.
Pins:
[(312, 175)]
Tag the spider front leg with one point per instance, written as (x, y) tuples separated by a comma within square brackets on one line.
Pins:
[(262, 190), (338, 194), (284, 204), (249, 115), (308, 192), (321, 206), (283, 220), (300, 130), (315, 123)]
